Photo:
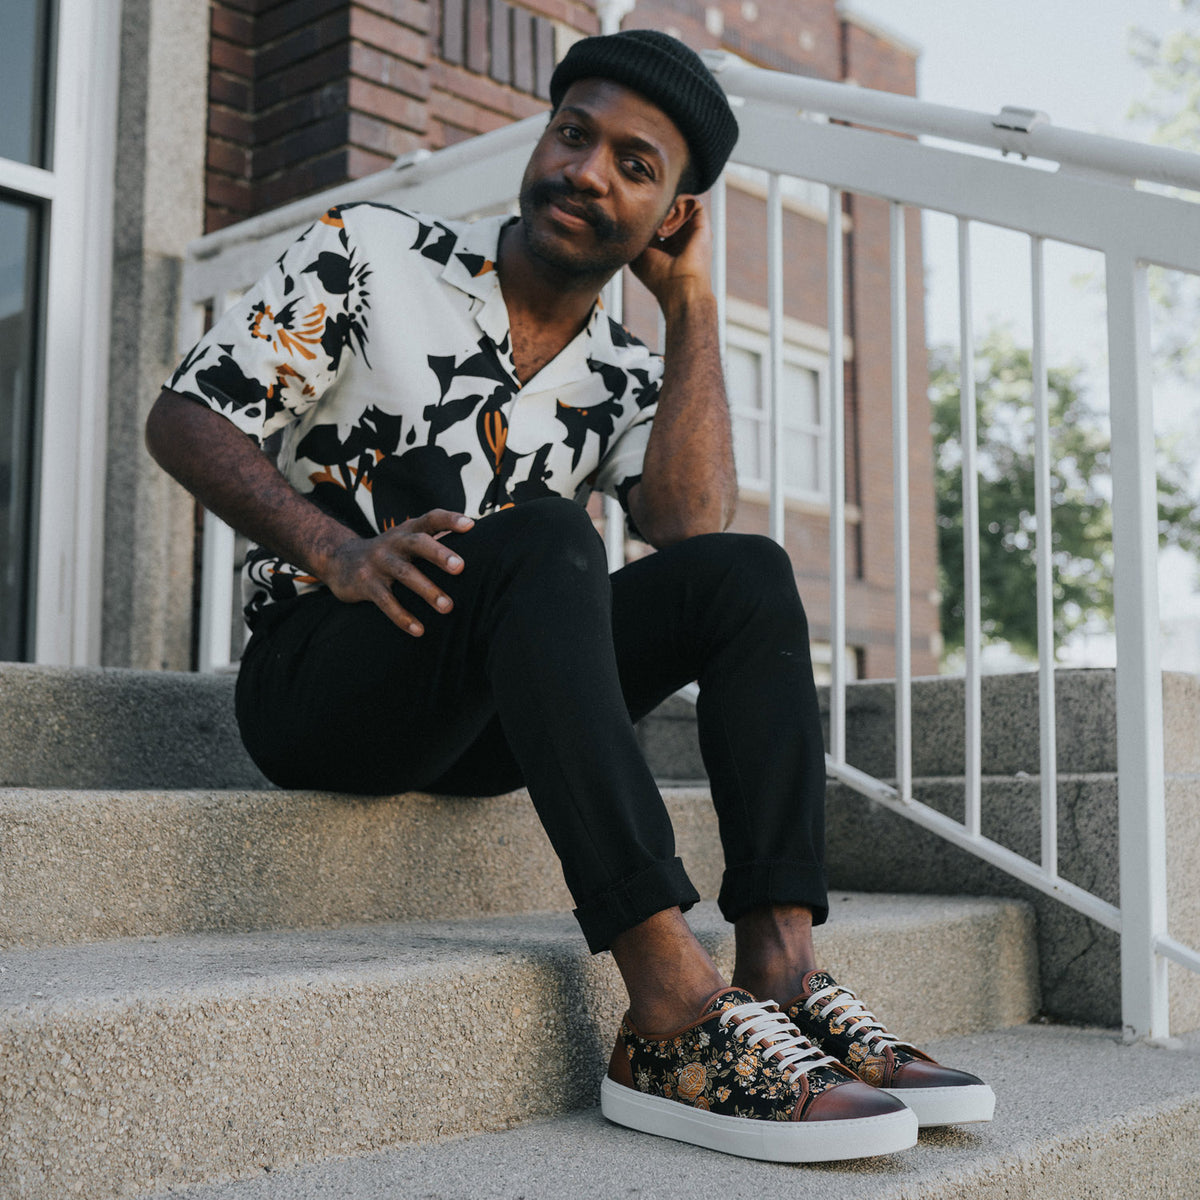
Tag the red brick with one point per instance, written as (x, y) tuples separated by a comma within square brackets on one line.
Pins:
[(543, 57), (232, 26), (468, 116), (524, 67), (388, 71), (283, 119), (228, 193), (302, 180), (454, 30), (413, 13), (477, 36), (233, 126), (381, 137), (325, 68), (361, 162), (228, 159), (387, 105), (311, 141), (226, 56), (302, 44), (387, 35), (284, 18), (500, 32), (229, 90)]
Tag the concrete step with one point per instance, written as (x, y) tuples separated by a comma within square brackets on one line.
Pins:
[(1078, 1115), (138, 1065), (1085, 709), (82, 866), (91, 727), (109, 728)]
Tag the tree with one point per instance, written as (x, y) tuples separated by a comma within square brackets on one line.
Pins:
[(1171, 109), (1081, 539)]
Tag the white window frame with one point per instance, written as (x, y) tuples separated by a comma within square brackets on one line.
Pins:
[(746, 338), (75, 196)]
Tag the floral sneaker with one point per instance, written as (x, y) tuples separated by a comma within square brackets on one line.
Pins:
[(836, 1021), (741, 1079)]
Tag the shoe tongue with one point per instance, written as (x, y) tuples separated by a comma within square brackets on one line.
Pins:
[(728, 998), (816, 980)]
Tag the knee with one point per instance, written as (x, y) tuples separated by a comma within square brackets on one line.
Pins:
[(758, 561), (557, 534), (760, 573)]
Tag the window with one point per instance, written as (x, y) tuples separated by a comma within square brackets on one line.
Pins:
[(58, 72), (24, 61), (24, 58), (805, 425)]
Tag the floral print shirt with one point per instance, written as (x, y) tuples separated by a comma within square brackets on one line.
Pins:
[(378, 349)]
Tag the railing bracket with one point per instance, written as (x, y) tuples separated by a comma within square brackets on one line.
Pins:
[(1019, 120)]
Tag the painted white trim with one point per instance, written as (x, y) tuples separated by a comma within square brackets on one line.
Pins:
[(73, 408), (30, 181)]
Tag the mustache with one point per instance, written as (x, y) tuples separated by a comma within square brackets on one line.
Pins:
[(545, 191)]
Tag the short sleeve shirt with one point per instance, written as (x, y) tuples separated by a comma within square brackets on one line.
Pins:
[(378, 347)]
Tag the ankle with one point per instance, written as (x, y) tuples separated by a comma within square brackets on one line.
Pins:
[(774, 951), (668, 974)]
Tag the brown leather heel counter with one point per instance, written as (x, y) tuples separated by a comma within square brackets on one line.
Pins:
[(619, 1070)]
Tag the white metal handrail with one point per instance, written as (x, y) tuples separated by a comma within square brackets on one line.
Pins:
[(1088, 201)]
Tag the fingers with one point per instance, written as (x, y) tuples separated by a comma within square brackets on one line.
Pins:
[(418, 539), (367, 569)]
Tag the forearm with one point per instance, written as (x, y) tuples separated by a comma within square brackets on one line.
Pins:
[(231, 477), (689, 484)]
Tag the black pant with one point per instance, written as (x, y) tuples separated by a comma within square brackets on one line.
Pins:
[(537, 676)]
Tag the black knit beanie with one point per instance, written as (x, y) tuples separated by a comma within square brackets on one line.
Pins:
[(669, 74)]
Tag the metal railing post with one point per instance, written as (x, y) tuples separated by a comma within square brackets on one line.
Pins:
[(837, 481), (1141, 785), (900, 503)]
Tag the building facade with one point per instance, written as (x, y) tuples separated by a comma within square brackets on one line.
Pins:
[(190, 115)]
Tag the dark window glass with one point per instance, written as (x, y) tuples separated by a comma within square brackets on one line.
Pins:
[(19, 272), (24, 79)]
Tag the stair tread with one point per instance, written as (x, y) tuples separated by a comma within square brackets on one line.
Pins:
[(1077, 1113), (111, 970)]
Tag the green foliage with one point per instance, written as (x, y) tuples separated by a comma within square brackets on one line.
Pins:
[(1171, 110), (1081, 539)]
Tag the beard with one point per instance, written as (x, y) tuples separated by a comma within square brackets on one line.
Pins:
[(610, 245)]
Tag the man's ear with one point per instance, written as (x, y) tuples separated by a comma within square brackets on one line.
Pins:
[(682, 209)]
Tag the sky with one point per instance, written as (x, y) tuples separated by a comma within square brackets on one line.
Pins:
[(1071, 59)]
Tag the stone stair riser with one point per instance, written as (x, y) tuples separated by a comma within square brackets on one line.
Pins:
[(84, 866)]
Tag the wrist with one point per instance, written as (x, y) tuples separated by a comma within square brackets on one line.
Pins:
[(693, 302)]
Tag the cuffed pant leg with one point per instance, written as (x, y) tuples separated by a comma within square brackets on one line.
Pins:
[(722, 609)]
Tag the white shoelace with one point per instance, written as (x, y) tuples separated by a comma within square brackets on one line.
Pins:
[(762, 1022), (856, 1019)]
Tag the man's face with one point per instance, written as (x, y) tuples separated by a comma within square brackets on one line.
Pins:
[(601, 182)]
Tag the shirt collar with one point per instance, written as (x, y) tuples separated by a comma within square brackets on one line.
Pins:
[(472, 269)]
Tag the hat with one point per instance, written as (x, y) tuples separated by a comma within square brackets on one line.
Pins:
[(669, 74)]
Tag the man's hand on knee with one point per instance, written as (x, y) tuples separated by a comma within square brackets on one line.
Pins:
[(366, 568)]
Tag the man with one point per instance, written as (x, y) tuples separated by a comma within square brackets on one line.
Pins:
[(431, 608)]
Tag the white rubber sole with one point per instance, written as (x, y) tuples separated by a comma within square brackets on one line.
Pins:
[(948, 1105), (774, 1141)]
